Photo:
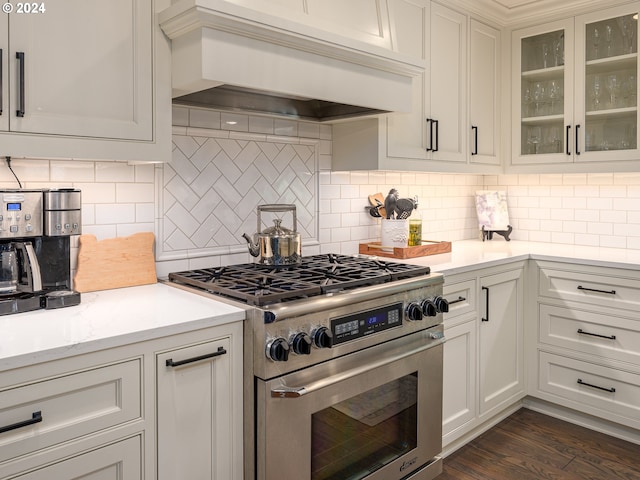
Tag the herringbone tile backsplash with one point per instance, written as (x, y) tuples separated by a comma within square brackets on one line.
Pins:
[(213, 186)]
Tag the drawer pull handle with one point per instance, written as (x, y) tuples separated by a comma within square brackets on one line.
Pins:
[(171, 363), (608, 337), (36, 417), (486, 308), (460, 299), (608, 292), (610, 390)]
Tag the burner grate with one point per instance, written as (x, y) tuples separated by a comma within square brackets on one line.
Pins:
[(261, 285)]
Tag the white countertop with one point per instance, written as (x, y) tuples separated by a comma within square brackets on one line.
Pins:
[(107, 319), (471, 254)]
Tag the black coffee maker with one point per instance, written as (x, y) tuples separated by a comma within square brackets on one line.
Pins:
[(35, 248)]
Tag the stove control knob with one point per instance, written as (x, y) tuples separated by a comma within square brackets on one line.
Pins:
[(429, 308), (414, 312), (442, 304), (278, 350), (322, 337), (301, 344)]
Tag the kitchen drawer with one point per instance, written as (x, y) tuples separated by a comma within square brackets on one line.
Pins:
[(591, 388), (599, 286), (119, 461), (607, 336), (461, 297), (69, 406)]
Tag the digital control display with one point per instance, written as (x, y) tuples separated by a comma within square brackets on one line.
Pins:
[(14, 207), (360, 324)]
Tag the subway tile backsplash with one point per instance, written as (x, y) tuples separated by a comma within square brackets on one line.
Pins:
[(119, 199)]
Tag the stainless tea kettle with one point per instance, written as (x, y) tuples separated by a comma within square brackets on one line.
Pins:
[(276, 245)]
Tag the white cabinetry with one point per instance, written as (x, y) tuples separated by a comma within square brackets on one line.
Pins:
[(501, 353), (85, 79), (199, 412), (124, 414), (436, 134), (483, 360), (575, 90), (586, 351)]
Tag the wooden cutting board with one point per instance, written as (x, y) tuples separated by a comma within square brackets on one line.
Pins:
[(115, 262)]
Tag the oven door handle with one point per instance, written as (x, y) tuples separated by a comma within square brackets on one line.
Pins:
[(284, 391)]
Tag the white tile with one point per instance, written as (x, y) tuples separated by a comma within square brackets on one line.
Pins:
[(575, 179), (588, 240), (261, 124), (180, 115), (600, 178), (600, 228), (574, 202), (234, 121), (101, 232), (203, 118), (115, 213), (587, 215), (135, 192), (540, 236), (97, 192), (308, 130), (613, 191), (88, 215), (146, 173), (145, 212), (115, 172), (574, 227), (568, 238), (72, 171), (287, 128), (613, 241), (126, 229)]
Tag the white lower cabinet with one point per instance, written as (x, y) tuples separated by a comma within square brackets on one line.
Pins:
[(119, 461), (501, 340), (483, 355), (196, 406), (169, 408), (585, 340)]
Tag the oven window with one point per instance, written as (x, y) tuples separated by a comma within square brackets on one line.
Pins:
[(362, 434)]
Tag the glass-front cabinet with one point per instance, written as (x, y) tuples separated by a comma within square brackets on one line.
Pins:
[(575, 89)]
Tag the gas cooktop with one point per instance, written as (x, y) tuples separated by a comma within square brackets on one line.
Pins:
[(262, 285)]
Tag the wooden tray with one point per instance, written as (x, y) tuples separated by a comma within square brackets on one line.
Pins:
[(427, 248)]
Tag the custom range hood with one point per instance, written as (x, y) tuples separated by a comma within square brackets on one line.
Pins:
[(229, 56)]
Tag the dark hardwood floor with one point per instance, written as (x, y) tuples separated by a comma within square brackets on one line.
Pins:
[(532, 446)]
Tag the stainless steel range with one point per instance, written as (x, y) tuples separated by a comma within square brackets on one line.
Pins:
[(343, 366)]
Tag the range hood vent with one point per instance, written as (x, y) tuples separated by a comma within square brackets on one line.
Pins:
[(231, 57)]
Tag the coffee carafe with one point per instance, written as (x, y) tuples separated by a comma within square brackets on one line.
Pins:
[(8, 269), (20, 271)]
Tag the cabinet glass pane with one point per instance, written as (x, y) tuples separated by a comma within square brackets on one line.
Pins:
[(611, 90), (542, 93)]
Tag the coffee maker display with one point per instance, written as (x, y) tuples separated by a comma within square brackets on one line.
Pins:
[(35, 249)]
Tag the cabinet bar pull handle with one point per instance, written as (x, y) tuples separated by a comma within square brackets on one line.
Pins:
[(577, 139), (610, 390), (430, 130), (567, 140), (608, 292), (20, 58), (608, 337), (458, 300), (437, 140), (36, 417), (1, 75), (486, 308), (171, 363), (475, 130)]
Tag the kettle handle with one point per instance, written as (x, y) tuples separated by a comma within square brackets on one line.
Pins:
[(275, 208), (31, 266)]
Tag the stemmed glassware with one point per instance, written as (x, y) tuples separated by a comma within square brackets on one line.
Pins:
[(533, 139), (608, 38), (538, 96), (553, 93), (628, 27), (597, 92), (613, 86), (596, 42)]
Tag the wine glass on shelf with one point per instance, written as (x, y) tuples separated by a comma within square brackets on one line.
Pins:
[(533, 139), (596, 42), (553, 95), (608, 38), (558, 50), (538, 96), (527, 102), (628, 28), (597, 92), (613, 86)]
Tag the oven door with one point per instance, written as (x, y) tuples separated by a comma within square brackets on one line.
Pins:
[(375, 414)]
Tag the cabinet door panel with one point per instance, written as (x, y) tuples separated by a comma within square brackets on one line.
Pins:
[(484, 96), (195, 421), (501, 337), (448, 73), (92, 79)]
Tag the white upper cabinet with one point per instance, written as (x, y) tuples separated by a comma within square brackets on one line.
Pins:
[(575, 93), (436, 134), (84, 70)]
